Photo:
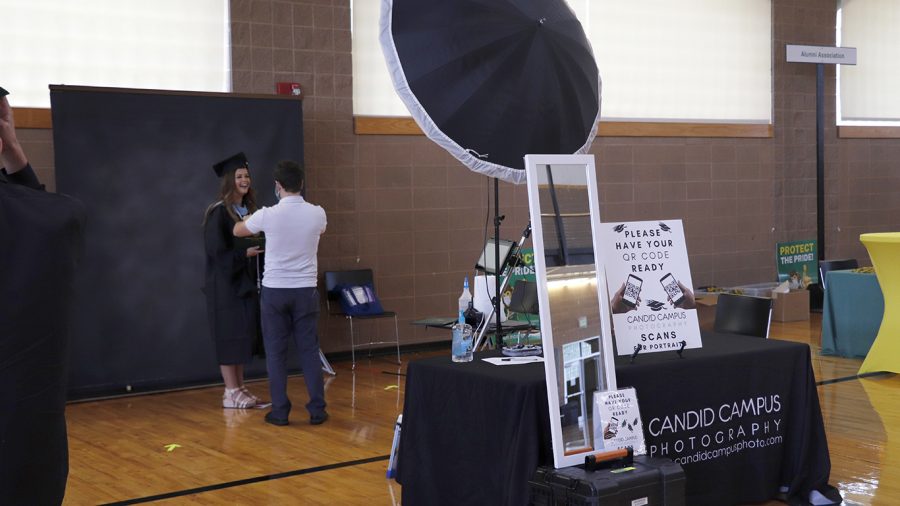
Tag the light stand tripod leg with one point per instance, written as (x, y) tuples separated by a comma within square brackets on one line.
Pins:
[(482, 330), (486, 322)]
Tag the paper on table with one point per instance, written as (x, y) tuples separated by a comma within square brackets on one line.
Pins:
[(513, 360)]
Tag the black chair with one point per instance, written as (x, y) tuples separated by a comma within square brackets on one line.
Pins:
[(334, 280), (835, 265), (743, 314), (524, 298)]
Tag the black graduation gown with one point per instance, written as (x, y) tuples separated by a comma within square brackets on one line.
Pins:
[(232, 302), (41, 239)]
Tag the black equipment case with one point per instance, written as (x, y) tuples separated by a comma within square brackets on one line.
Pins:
[(650, 482)]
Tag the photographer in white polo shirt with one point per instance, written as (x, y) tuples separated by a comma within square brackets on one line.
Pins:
[(289, 301)]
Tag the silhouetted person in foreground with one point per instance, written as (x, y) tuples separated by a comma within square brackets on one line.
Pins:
[(40, 246)]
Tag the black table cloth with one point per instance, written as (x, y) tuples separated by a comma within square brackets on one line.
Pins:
[(472, 431), (741, 415)]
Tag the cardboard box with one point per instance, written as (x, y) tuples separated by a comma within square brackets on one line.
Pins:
[(790, 307), (755, 290), (706, 309)]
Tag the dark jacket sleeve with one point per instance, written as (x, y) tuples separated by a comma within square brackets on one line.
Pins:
[(25, 177)]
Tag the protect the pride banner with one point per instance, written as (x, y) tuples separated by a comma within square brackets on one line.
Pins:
[(650, 288), (798, 262)]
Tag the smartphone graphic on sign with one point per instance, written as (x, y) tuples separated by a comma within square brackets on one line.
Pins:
[(670, 285), (612, 428), (632, 290)]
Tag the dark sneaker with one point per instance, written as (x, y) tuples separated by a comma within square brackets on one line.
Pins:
[(274, 420), (318, 419)]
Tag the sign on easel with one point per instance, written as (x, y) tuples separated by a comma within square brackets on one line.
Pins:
[(617, 421), (650, 288)]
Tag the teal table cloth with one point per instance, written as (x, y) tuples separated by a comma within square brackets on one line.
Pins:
[(851, 314)]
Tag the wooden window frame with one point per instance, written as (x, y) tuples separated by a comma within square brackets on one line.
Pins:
[(32, 117), (378, 125)]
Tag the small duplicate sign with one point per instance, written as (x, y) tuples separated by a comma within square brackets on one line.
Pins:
[(617, 421)]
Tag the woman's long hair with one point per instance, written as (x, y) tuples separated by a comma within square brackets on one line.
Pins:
[(227, 192)]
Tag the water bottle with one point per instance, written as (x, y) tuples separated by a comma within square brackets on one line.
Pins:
[(462, 332), (465, 300)]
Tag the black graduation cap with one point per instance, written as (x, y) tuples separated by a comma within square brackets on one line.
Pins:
[(3, 92), (231, 163)]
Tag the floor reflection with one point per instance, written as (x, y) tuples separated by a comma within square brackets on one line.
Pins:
[(883, 452), (234, 418)]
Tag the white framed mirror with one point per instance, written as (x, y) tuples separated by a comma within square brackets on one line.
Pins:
[(572, 296)]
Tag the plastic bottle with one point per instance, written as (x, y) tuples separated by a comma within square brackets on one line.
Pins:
[(462, 332), (465, 300)]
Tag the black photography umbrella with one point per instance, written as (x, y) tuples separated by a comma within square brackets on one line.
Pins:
[(493, 80)]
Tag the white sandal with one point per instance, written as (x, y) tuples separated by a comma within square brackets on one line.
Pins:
[(256, 399), (237, 399)]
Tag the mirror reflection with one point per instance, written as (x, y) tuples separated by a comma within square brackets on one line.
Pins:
[(565, 212), (565, 216)]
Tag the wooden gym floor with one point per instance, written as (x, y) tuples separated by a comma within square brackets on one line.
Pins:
[(120, 449)]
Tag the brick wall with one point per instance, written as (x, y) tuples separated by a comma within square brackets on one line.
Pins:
[(405, 208)]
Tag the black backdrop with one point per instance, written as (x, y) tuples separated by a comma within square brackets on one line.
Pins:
[(141, 162)]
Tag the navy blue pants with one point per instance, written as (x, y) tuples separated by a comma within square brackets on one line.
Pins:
[(291, 314)]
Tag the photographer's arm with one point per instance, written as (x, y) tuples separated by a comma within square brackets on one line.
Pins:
[(12, 157), (241, 230)]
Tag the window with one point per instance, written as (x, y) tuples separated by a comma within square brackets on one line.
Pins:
[(867, 92), (161, 44), (690, 61)]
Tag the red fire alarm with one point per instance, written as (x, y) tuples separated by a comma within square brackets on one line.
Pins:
[(289, 89)]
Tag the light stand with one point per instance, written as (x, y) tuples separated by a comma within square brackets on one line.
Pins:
[(495, 307), (498, 294)]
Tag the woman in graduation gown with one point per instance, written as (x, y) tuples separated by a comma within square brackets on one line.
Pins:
[(232, 299)]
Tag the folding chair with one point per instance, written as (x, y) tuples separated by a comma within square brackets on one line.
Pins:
[(743, 314), (334, 281), (835, 265)]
